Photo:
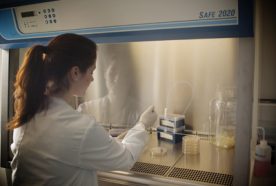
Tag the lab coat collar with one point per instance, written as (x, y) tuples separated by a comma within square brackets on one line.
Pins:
[(59, 101)]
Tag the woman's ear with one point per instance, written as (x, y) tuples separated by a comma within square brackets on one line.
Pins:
[(74, 73)]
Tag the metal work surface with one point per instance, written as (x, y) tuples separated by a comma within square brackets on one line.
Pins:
[(210, 159), (212, 166), (174, 152)]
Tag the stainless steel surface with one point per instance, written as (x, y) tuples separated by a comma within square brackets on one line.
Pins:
[(150, 168), (174, 152), (201, 176), (243, 134), (213, 166), (4, 98), (131, 178), (102, 181), (210, 159)]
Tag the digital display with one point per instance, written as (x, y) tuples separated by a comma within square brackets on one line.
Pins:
[(28, 14)]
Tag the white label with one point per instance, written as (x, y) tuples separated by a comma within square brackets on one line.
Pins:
[(166, 136), (167, 123)]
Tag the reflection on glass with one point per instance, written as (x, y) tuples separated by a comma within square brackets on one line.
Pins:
[(181, 76), (116, 109)]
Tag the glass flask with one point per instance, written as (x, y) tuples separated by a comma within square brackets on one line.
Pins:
[(222, 118)]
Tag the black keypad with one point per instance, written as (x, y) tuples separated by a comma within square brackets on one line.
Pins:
[(49, 15)]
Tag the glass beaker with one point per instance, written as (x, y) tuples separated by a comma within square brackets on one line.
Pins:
[(223, 118)]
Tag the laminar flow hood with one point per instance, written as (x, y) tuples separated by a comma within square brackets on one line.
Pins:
[(121, 20)]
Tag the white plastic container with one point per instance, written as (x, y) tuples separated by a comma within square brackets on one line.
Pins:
[(262, 159)]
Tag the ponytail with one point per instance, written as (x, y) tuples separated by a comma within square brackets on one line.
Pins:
[(44, 73), (29, 87)]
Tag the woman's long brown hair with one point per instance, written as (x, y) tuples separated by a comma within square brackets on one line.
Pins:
[(42, 64)]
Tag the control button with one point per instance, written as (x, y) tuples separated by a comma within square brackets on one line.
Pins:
[(49, 16), (49, 10), (53, 15), (55, 21), (46, 21), (50, 21), (45, 16), (53, 10)]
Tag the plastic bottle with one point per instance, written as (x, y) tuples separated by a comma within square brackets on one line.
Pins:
[(262, 158)]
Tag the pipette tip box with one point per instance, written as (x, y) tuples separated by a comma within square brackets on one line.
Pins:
[(171, 128), (172, 120), (169, 134)]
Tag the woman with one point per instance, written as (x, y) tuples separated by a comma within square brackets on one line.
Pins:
[(53, 144)]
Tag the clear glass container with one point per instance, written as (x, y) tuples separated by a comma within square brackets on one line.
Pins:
[(223, 118)]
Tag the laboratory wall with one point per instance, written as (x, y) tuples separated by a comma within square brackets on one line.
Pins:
[(268, 46), (182, 76), (267, 88)]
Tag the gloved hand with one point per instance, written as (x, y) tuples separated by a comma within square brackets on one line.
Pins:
[(148, 117)]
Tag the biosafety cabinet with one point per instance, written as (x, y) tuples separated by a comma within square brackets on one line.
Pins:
[(162, 47)]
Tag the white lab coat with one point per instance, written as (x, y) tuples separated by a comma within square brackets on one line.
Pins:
[(65, 147)]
